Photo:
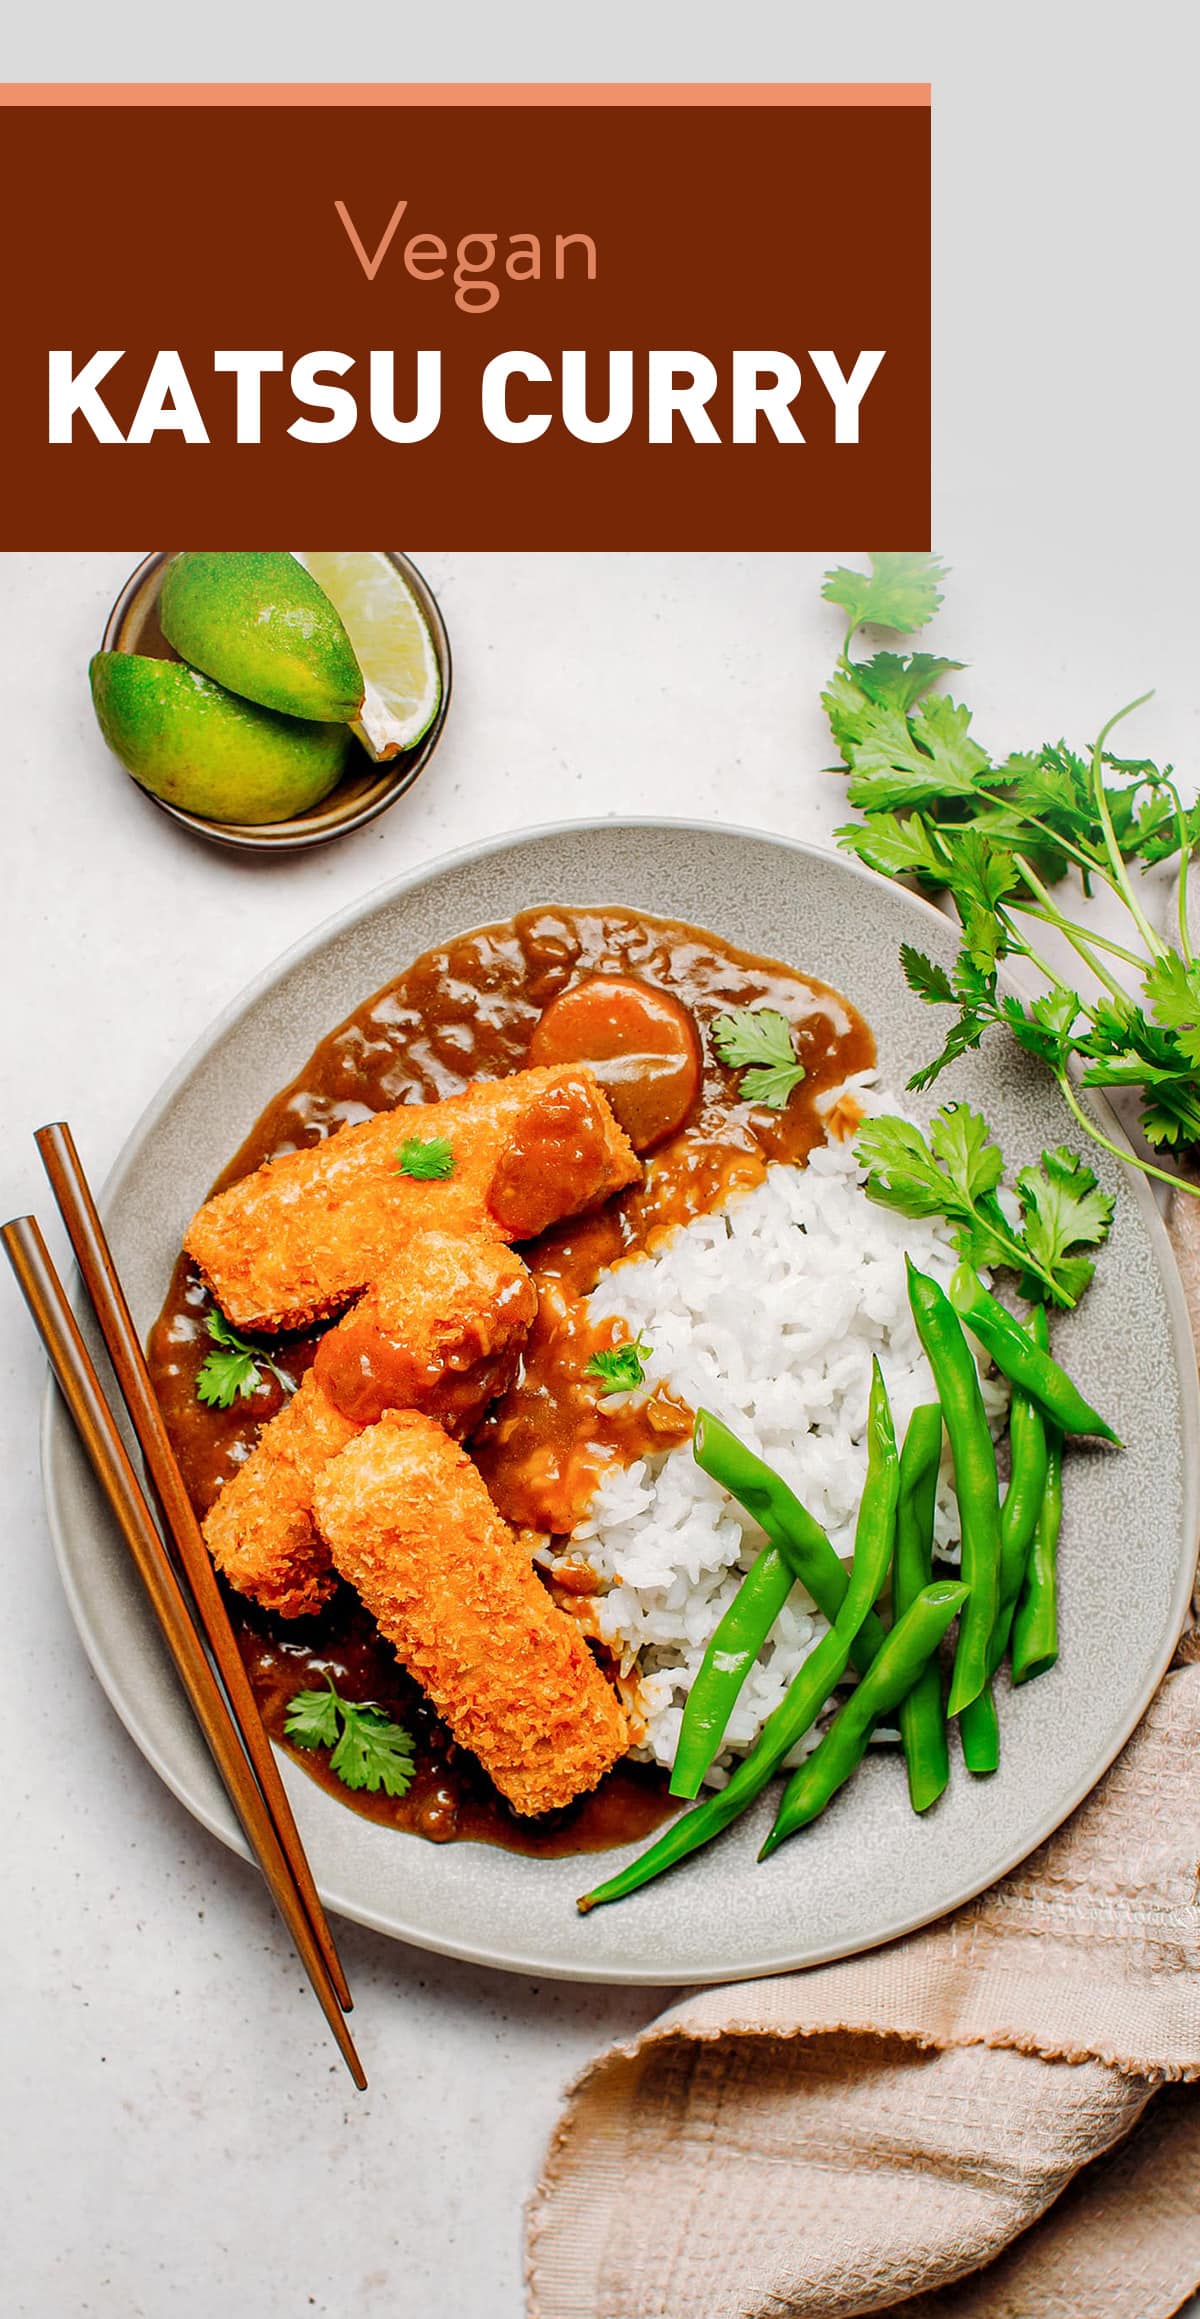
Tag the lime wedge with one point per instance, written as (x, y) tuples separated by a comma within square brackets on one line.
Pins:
[(391, 641)]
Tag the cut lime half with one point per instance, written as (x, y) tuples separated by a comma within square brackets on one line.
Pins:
[(391, 641)]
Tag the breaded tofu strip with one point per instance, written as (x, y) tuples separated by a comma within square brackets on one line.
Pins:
[(441, 1332), (260, 1532), (409, 1523), (296, 1240)]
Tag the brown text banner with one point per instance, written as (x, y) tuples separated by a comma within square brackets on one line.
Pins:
[(514, 325)]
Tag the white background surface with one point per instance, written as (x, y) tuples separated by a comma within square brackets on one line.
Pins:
[(178, 2135)]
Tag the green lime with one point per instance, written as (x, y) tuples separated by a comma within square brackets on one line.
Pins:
[(195, 745), (263, 628)]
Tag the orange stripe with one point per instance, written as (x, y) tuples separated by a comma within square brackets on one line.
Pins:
[(548, 93)]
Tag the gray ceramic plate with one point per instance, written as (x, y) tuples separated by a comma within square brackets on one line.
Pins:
[(868, 1870)]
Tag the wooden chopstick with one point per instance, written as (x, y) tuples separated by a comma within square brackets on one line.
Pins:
[(76, 1375), (95, 1260)]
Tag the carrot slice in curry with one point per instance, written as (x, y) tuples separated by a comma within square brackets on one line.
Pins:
[(641, 1042)]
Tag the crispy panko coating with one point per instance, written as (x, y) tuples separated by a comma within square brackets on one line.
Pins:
[(441, 1330), (261, 1532), (409, 1523), (295, 1241)]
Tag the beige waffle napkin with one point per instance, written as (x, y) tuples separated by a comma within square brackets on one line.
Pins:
[(990, 2096)]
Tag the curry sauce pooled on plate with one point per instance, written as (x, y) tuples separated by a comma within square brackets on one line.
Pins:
[(430, 1398)]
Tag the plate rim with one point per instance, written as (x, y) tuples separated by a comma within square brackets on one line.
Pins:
[(228, 1832)]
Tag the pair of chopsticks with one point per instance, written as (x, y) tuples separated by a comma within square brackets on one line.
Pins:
[(217, 1686)]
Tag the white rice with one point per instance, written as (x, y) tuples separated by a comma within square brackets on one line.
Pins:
[(766, 1312)]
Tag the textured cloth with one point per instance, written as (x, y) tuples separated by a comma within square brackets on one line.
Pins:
[(990, 2096)]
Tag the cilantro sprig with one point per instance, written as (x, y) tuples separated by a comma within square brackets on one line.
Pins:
[(367, 1749), (428, 1161), (621, 1367), (757, 1041), (999, 836), (957, 1170), (233, 1371), (902, 591)]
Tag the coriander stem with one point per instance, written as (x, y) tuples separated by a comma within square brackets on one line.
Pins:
[(1185, 850), (1156, 948), (1101, 973), (1128, 1158), (1024, 947), (1069, 927), (1074, 934), (1037, 887), (1083, 861), (1021, 1258)]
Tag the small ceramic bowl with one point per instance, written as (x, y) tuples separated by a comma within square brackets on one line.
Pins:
[(364, 790)]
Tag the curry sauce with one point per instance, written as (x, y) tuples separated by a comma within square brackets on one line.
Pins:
[(470, 1010)]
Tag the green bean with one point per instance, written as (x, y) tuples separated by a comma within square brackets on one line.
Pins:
[(789, 1525), (731, 1653), (922, 1720), (979, 1731), (906, 1652), (1025, 1495), (809, 1689), (1022, 1360), (975, 1483), (979, 1727), (734, 1648), (1035, 1625)]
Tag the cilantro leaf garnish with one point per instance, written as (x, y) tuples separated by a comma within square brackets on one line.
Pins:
[(235, 1370), (757, 1041), (1063, 1208), (903, 591), (962, 1037), (970, 987), (891, 677), (905, 1172), (370, 1752), (429, 1162), (223, 1376), (997, 836), (897, 848), (1173, 989), (620, 1366), (961, 1139), (929, 980), (887, 681), (957, 1170), (373, 1752), (904, 759), (312, 1718)]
